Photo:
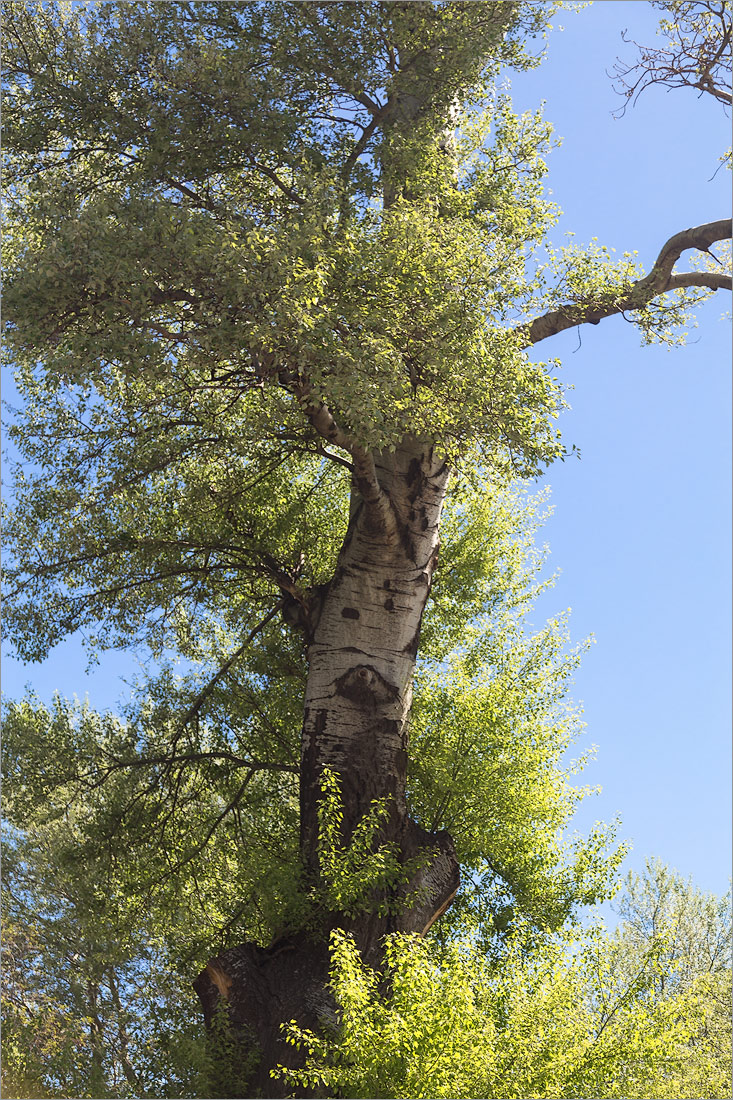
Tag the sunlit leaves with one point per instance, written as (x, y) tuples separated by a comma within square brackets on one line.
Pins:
[(549, 1021)]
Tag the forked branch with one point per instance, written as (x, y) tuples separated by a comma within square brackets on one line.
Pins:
[(380, 512), (639, 293)]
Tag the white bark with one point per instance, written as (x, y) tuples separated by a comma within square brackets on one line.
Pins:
[(361, 664)]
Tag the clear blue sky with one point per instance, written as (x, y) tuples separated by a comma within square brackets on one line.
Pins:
[(642, 523), (641, 528)]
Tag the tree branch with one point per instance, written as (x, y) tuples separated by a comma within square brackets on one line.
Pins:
[(211, 830), (709, 279), (204, 694), (365, 138), (379, 508), (182, 758), (638, 294)]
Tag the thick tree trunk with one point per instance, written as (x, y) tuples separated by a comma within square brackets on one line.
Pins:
[(361, 657)]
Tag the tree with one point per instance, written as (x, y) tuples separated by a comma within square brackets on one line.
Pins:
[(693, 931), (273, 272)]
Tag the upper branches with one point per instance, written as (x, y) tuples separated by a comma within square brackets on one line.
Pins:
[(640, 293), (696, 52)]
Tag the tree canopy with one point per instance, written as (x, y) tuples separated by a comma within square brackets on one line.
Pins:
[(274, 271)]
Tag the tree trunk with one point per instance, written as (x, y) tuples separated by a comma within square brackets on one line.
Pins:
[(361, 658), (96, 1039)]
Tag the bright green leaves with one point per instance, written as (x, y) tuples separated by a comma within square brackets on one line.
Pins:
[(588, 275), (421, 1041), (361, 874), (556, 1020), (349, 874), (492, 725)]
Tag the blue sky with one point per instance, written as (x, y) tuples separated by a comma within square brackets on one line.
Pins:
[(641, 527)]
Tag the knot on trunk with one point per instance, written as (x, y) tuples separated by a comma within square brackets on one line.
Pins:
[(364, 686)]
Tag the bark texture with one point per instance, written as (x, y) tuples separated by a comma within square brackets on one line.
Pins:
[(362, 647)]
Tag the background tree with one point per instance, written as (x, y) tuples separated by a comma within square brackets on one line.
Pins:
[(693, 931), (91, 1003), (272, 276)]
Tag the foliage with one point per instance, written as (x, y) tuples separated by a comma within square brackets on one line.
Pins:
[(559, 1019), (694, 930), (698, 926), (351, 874), (492, 724), (176, 290), (225, 220), (641, 1012)]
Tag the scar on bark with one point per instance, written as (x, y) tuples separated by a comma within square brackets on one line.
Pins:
[(364, 684), (439, 913), (222, 981)]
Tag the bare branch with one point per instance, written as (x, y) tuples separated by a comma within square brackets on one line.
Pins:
[(695, 53), (638, 294), (710, 279)]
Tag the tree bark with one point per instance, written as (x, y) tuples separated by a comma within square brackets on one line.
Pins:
[(361, 656)]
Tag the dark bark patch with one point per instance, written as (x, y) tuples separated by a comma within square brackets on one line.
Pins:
[(387, 585), (350, 613), (264, 987), (414, 471), (407, 544), (389, 604), (363, 685), (413, 644)]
